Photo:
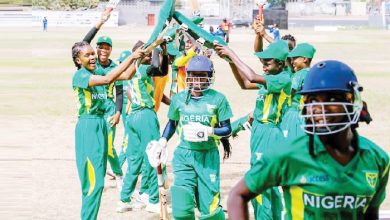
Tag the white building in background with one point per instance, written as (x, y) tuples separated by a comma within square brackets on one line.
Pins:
[(326, 7)]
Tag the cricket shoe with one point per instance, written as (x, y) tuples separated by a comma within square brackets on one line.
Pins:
[(155, 208), (128, 206)]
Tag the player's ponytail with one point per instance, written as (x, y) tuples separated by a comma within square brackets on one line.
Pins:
[(227, 148)]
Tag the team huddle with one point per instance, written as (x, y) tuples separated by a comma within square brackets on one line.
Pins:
[(304, 142)]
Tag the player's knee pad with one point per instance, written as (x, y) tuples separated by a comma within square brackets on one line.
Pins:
[(216, 215), (182, 203)]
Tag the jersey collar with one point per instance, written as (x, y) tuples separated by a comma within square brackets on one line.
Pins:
[(320, 148)]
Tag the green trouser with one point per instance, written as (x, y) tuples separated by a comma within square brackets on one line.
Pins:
[(267, 205), (122, 155), (112, 155), (198, 172), (91, 160), (291, 122), (143, 127), (237, 125)]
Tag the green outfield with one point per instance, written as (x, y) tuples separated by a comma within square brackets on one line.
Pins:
[(37, 101)]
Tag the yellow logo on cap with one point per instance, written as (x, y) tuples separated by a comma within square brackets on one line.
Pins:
[(372, 178)]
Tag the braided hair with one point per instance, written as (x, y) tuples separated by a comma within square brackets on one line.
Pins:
[(289, 37), (76, 48)]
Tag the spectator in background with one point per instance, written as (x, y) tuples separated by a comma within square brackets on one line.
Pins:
[(226, 26), (274, 29), (44, 22), (219, 33)]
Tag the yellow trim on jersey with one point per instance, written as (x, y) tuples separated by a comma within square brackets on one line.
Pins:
[(259, 199), (282, 97), (215, 203), (78, 103), (138, 93), (88, 100), (297, 207), (110, 144), (267, 106), (110, 92), (128, 107), (386, 170), (91, 177), (149, 89)]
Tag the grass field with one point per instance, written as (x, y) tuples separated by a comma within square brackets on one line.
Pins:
[(38, 111)]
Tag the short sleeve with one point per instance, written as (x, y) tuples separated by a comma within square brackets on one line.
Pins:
[(297, 80), (380, 194), (224, 110), (275, 83), (81, 79), (173, 112), (119, 83)]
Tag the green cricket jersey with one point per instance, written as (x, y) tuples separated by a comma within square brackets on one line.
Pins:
[(208, 110), (297, 84), (273, 97), (109, 87), (90, 100), (319, 187), (126, 85), (141, 89)]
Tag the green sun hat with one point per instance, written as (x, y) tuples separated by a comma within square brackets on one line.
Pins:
[(104, 39), (303, 50), (124, 55), (172, 50), (277, 50)]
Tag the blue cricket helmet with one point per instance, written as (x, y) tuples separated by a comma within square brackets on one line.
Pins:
[(329, 76), (200, 64)]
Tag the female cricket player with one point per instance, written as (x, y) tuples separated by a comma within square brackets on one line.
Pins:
[(301, 56), (113, 108), (330, 173), (274, 89), (91, 131), (198, 111), (142, 127)]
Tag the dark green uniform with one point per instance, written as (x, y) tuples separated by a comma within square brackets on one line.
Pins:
[(90, 140), (196, 164), (142, 126), (291, 121), (110, 110), (319, 187), (265, 131)]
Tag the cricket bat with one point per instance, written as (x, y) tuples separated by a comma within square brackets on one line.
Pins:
[(163, 195), (111, 5)]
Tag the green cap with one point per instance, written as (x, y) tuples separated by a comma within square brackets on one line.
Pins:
[(197, 19), (104, 39), (124, 55), (172, 50), (277, 50), (303, 50)]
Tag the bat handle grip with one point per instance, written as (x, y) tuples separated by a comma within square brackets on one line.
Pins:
[(109, 9)]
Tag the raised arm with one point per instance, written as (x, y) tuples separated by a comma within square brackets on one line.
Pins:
[(241, 70), (123, 71), (103, 18)]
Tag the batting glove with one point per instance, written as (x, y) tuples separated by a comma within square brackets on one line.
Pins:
[(196, 132), (157, 152)]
